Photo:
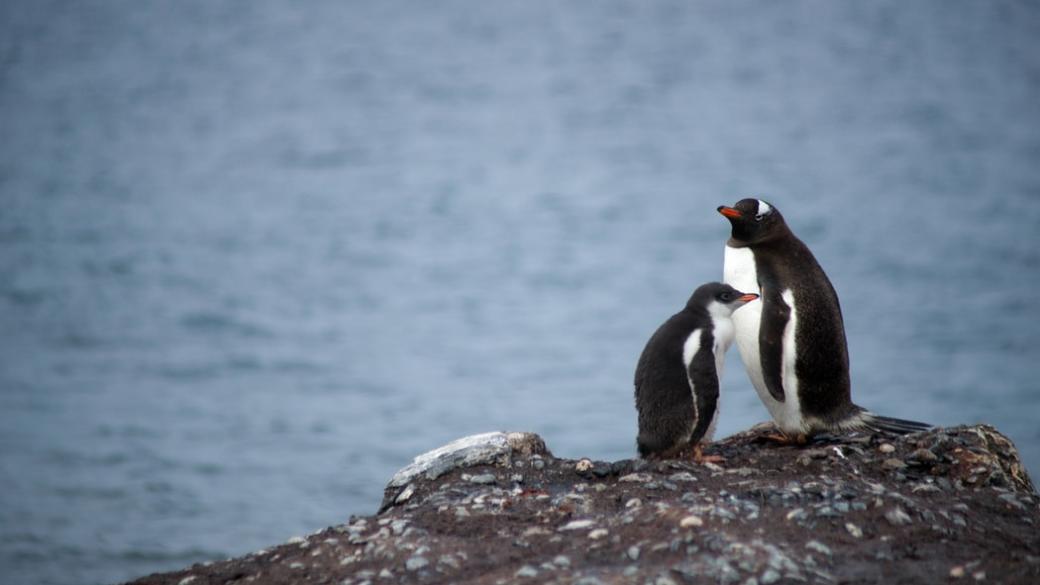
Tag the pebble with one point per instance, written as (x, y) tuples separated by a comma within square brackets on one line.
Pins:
[(1012, 500), (296, 540), (818, 547), (633, 503), (296, 565), (897, 516), (405, 494), (186, 580), (826, 512), (796, 514), (770, 577), (893, 464), (636, 477), (682, 476), (483, 478), (527, 571), (449, 561), (583, 465), (538, 463), (415, 563), (957, 572), (854, 530), (690, 521), (598, 533), (886, 448), (633, 552), (923, 456), (561, 561), (385, 574), (577, 525)]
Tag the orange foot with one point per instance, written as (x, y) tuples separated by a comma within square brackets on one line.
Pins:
[(700, 458), (782, 439)]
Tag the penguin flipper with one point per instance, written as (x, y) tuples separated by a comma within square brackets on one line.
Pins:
[(704, 384), (775, 316)]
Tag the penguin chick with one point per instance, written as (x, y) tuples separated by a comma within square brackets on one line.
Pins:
[(677, 378), (793, 341)]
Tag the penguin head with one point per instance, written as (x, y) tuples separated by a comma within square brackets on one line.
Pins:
[(719, 300), (753, 220)]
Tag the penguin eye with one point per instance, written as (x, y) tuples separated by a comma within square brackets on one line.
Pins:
[(760, 217), (726, 297)]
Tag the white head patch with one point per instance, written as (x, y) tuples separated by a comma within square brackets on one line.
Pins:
[(763, 208)]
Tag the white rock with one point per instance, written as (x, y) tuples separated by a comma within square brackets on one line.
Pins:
[(691, 521), (577, 525), (854, 530), (483, 449)]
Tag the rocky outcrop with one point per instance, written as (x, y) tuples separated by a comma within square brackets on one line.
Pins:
[(948, 505)]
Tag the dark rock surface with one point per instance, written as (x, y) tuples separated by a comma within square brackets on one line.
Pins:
[(948, 505)]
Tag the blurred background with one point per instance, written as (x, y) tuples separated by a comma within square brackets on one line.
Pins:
[(255, 256)]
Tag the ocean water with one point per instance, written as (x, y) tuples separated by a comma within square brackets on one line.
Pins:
[(254, 256)]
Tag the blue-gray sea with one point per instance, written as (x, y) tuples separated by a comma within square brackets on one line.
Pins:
[(254, 256)]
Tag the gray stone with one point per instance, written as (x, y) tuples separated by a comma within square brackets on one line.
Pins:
[(819, 547), (527, 571), (633, 552), (897, 517), (769, 577), (893, 464), (415, 563), (483, 478)]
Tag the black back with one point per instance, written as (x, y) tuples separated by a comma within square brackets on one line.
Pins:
[(668, 417), (782, 262)]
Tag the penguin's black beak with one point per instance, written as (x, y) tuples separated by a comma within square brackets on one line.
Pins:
[(748, 297), (729, 212)]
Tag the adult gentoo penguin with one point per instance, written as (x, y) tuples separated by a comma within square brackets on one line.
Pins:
[(793, 341), (677, 378)]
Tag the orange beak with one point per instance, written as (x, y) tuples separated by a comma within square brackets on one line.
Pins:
[(729, 212), (749, 297)]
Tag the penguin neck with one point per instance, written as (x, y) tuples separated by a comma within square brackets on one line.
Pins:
[(779, 234)]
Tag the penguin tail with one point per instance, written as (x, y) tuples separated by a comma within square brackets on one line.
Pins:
[(899, 426)]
